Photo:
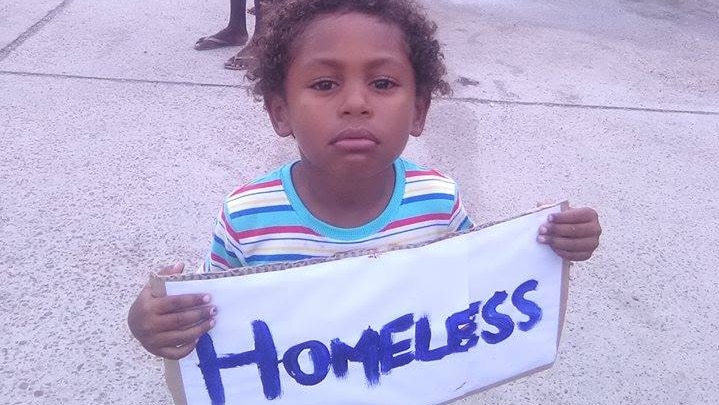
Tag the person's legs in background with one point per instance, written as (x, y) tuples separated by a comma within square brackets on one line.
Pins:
[(241, 60), (236, 31)]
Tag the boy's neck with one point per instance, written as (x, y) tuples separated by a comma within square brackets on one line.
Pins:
[(343, 202)]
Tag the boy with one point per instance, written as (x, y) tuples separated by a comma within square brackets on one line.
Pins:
[(350, 80)]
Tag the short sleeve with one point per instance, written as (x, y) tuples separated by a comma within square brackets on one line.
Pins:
[(459, 221), (224, 252)]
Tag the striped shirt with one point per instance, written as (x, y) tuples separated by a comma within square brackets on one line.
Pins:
[(266, 222)]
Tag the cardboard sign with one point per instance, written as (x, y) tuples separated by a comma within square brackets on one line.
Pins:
[(415, 325)]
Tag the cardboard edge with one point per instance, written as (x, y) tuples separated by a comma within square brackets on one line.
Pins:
[(173, 379), (566, 264), (243, 271), (501, 382), (173, 376), (564, 294)]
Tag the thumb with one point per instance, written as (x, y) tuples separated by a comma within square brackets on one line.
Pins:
[(171, 269)]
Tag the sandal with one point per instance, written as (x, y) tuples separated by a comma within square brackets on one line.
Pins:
[(212, 42)]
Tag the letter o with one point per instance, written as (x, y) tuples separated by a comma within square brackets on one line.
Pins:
[(320, 356)]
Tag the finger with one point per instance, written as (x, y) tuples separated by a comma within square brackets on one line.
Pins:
[(145, 293), (582, 230), (181, 338), (179, 303), (171, 269), (574, 256), (175, 353), (569, 244), (138, 311), (185, 319), (573, 216)]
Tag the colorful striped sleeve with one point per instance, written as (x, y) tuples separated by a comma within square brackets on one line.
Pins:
[(459, 221), (225, 252)]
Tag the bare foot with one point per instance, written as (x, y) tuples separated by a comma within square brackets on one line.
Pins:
[(241, 60), (226, 37)]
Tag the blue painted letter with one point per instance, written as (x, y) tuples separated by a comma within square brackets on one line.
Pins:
[(388, 348), (501, 321), (264, 355), (460, 329), (320, 361), (210, 369), (366, 350), (525, 306), (422, 338)]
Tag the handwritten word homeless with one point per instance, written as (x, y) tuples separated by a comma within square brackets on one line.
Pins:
[(377, 351)]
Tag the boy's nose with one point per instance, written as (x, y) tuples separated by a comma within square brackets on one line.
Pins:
[(355, 101)]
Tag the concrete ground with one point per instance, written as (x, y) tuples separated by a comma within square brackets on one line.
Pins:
[(118, 141)]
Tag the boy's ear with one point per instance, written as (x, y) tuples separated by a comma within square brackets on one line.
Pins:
[(276, 107), (421, 106)]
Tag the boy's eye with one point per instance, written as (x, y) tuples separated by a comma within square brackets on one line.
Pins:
[(324, 85), (383, 84)]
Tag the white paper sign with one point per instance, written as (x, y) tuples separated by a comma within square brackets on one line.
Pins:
[(414, 326)]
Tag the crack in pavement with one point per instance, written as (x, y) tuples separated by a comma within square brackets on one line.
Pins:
[(4, 52), (586, 106), (120, 79), (470, 100)]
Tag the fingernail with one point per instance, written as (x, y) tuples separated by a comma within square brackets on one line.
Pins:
[(542, 230), (550, 218), (212, 323), (213, 311), (541, 239), (205, 299)]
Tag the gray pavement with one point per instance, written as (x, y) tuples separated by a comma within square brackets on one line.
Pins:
[(118, 141)]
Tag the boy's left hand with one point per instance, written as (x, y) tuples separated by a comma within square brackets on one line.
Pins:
[(572, 234)]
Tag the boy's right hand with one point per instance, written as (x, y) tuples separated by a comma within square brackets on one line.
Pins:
[(169, 326)]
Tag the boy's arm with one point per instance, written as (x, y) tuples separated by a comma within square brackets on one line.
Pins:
[(460, 221), (169, 326), (572, 234), (225, 252)]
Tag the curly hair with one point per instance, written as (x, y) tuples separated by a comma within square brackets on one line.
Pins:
[(287, 20)]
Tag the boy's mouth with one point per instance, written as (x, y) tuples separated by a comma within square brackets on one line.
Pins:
[(355, 140)]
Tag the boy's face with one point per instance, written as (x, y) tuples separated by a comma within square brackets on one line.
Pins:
[(350, 98)]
